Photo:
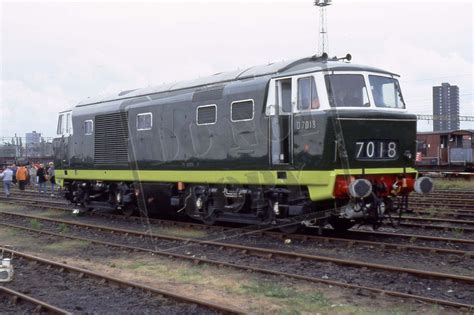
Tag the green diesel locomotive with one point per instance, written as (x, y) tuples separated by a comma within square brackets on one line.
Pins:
[(312, 141)]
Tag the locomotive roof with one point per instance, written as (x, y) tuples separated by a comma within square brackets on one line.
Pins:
[(283, 68)]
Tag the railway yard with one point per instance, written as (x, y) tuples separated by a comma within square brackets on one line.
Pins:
[(255, 175), (103, 262)]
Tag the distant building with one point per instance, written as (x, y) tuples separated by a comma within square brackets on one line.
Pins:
[(446, 107), (33, 137)]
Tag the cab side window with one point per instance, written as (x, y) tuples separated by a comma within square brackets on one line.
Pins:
[(307, 94), (88, 127), (68, 123)]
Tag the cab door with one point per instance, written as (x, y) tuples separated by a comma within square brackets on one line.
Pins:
[(279, 108), (61, 145)]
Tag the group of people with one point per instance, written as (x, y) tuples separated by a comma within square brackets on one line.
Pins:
[(35, 175)]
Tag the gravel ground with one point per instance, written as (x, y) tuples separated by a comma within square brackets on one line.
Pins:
[(409, 259), (453, 291), (21, 307), (254, 292), (89, 296)]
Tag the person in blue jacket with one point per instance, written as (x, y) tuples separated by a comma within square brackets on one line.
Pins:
[(7, 178)]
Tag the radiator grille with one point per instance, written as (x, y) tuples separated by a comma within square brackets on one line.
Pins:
[(111, 137)]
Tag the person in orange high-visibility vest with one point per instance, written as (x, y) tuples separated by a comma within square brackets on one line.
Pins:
[(22, 176)]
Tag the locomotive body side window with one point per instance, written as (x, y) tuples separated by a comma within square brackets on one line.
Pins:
[(242, 110), (144, 121), (307, 94), (347, 90), (59, 130), (386, 92), (88, 127), (206, 115)]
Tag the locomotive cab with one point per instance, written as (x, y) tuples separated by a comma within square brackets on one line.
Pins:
[(364, 109), (352, 123)]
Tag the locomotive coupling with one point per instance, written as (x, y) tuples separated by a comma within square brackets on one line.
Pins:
[(424, 185)]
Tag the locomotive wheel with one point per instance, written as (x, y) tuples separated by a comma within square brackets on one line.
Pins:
[(340, 224), (84, 207), (210, 219), (128, 210)]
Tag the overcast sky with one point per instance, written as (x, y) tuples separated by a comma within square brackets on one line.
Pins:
[(53, 54)]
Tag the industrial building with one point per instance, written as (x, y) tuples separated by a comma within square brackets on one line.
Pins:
[(446, 107)]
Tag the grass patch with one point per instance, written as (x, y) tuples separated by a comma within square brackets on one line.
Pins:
[(154, 268), (52, 214), (268, 289), (6, 233), (434, 210), (35, 224), (63, 228), (194, 274), (180, 272), (66, 246), (8, 206), (294, 301), (289, 300), (180, 232), (458, 231), (431, 210), (462, 184)]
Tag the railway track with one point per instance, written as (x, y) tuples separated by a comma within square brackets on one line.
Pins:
[(433, 219), (464, 226), (309, 235), (16, 302), (438, 197), (418, 205), (460, 192), (445, 214), (290, 263), (433, 223), (91, 292), (243, 232)]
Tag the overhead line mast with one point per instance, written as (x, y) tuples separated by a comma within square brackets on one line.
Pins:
[(323, 44)]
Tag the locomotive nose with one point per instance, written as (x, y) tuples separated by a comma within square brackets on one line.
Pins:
[(424, 185)]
